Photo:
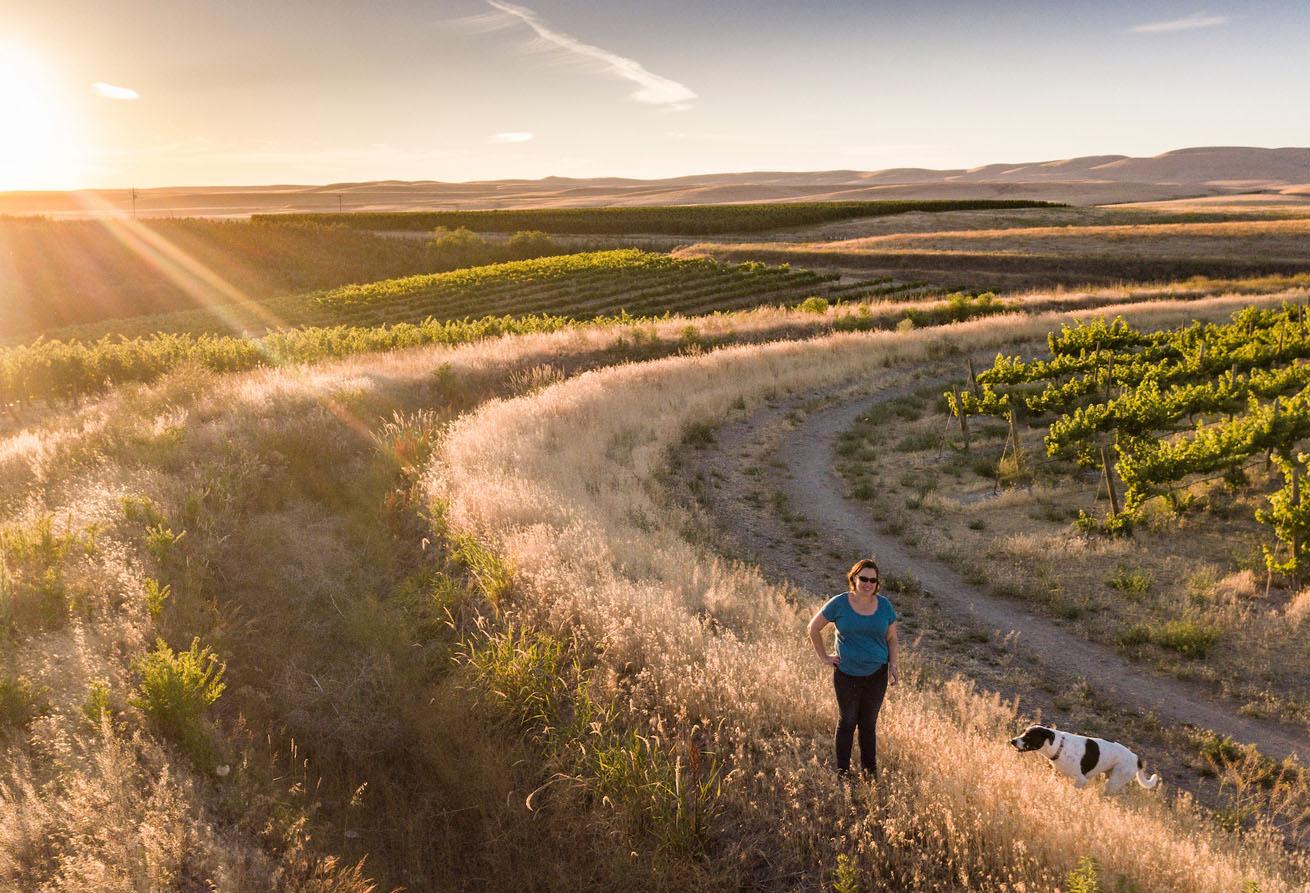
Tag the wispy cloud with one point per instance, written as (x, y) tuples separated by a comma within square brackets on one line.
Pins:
[(514, 136), (109, 91), (1186, 23), (652, 88)]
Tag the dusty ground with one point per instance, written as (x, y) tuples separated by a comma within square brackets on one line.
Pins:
[(769, 492)]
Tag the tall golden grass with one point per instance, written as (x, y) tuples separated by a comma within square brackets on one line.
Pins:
[(563, 485), (89, 805)]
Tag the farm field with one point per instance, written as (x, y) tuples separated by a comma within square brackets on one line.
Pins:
[(673, 220), (1045, 247), (56, 274), (419, 582)]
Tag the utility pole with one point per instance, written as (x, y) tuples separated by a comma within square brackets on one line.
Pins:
[(134, 203), (338, 202)]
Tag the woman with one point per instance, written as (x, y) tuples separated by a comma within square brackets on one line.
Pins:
[(864, 663)]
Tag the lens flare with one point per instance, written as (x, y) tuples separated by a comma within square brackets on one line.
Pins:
[(39, 150)]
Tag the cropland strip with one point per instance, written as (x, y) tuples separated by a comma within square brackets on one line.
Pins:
[(670, 219)]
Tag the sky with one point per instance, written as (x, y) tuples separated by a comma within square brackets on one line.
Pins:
[(145, 93)]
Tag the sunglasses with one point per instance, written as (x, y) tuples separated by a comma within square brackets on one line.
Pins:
[(867, 579)]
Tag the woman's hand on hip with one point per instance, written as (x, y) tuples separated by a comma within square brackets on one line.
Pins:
[(829, 660)]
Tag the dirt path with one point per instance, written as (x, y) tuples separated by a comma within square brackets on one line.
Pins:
[(772, 450)]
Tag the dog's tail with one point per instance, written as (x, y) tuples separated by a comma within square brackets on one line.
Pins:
[(1148, 783)]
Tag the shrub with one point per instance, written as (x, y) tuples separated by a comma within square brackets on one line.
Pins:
[(669, 793), (918, 442), (96, 706), (1134, 584), (156, 595), (161, 541), (1187, 637), (20, 702), (813, 304), (34, 590), (699, 434), (1137, 634), (845, 879), (176, 690), (527, 244), (1085, 877)]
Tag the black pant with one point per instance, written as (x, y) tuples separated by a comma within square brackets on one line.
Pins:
[(858, 700)]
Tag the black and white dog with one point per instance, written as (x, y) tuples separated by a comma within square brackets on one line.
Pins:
[(1082, 759)]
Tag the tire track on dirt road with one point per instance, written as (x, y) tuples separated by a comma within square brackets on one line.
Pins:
[(803, 467)]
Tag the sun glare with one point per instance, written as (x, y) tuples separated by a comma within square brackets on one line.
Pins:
[(39, 148)]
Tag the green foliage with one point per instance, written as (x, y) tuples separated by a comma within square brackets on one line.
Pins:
[(1188, 637), (1084, 878), (87, 273), (668, 792), (1131, 583), (519, 297), (96, 707), (176, 691), (156, 595), (678, 219), (1106, 378), (1289, 515), (531, 243), (493, 575), (958, 307), (20, 702), (161, 541), (813, 304), (845, 877), (35, 590)]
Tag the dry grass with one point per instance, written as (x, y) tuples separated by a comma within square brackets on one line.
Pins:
[(684, 641), (272, 476), (1264, 238), (1298, 608)]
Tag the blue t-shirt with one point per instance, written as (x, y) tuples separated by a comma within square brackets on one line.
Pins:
[(861, 638)]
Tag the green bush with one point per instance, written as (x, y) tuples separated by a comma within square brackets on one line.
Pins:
[(845, 878), (96, 706), (1134, 584), (1085, 877), (813, 304), (667, 792), (176, 690), (1187, 637), (20, 702), (34, 588)]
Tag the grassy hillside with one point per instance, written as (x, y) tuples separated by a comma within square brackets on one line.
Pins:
[(60, 273), (579, 286)]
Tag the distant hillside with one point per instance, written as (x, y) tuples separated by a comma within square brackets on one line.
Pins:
[(1094, 179)]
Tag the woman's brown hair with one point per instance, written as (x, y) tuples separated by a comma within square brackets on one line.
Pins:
[(859, 566)]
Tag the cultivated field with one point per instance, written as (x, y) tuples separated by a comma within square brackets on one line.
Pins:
[(359, 587), (1048, 246)]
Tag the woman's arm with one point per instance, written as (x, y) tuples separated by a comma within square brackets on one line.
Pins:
[(817, 623), (893, 652)]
